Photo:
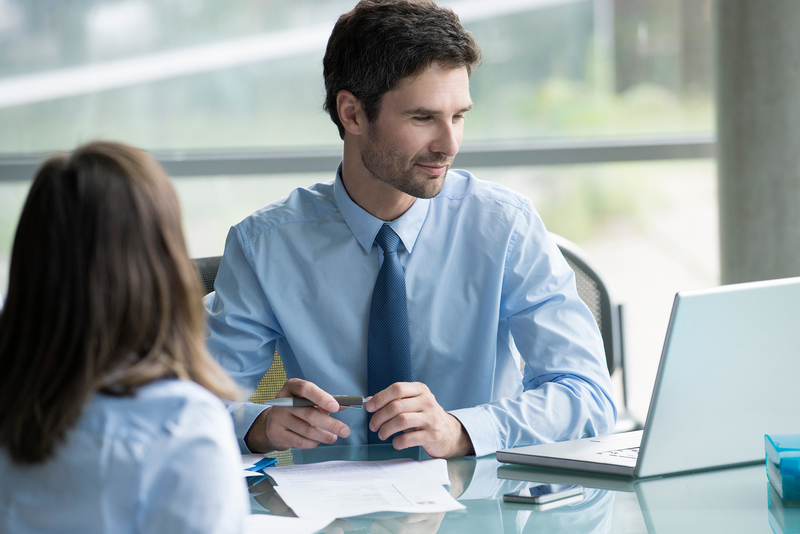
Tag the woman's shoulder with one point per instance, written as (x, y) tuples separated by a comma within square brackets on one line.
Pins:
[(175, 392), (160, 409)]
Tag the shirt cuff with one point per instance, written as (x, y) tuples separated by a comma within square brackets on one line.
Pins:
[(481, 428), (244, 413)]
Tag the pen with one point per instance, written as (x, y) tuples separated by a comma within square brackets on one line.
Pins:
[(354, 401)]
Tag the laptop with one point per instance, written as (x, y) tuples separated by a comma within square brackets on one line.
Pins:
[(728, 375)]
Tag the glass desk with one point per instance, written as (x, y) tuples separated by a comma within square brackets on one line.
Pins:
[(730, 500)]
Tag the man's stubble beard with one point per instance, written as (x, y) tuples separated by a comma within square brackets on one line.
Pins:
[(394, 168)]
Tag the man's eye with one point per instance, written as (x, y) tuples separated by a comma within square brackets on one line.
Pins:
[(457, 118), (424, 118)]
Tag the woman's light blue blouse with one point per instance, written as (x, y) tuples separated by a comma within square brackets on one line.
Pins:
[(165, 460)]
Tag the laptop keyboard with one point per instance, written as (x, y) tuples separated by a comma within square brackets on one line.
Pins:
[(632, 453)]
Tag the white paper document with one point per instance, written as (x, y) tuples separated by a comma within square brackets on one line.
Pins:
[(270, 524), (346, 489), (429, 471), (343, 499)]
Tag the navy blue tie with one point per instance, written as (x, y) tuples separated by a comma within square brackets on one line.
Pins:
[(388, 342)]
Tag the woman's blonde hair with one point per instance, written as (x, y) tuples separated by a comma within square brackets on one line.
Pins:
[(102, 296)]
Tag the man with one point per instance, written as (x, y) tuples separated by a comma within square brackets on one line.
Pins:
[(316, 276)]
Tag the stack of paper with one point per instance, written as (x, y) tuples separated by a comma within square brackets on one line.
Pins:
[(346, 489)]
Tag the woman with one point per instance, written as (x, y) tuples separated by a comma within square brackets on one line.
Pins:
[(110, 419)]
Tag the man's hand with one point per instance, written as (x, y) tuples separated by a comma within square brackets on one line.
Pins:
[(411, 408), (277, 429)]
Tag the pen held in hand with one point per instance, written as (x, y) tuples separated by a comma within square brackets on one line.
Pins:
[(352, 401)]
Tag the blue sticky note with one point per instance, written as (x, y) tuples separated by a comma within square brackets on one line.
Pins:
[(262, 464)]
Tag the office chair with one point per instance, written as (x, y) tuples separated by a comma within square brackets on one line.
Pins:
[(608, 313), (207, 268), (275, 377)]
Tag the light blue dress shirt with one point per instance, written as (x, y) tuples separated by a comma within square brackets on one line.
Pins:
[(486, 286), (163, 461)]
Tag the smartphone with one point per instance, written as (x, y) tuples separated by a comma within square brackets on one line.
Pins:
[(543, 493)]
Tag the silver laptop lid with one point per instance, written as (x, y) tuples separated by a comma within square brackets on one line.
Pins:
[(728, 374)]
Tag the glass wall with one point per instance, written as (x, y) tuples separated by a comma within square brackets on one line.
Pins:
[(199, 75), (211, 74)]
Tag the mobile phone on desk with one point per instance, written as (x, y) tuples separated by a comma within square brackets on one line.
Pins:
[(543, 493)]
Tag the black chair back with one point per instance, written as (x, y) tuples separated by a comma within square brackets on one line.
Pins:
[(208, 267), (595, 292)]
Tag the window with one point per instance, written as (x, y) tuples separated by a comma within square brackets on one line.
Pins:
[(195, 76)]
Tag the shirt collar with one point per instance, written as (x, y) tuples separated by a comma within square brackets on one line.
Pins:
[(365, 226)]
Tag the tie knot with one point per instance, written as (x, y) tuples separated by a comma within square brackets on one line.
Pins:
[(387, 239)]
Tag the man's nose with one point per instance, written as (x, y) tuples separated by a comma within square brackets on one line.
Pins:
[(448, 139)]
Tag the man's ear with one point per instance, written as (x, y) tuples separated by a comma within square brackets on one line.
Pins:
[(351, 114)]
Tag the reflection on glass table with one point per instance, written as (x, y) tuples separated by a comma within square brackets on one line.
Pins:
[(728, 500), (474, 482)]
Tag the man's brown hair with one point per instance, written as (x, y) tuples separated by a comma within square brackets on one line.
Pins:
[(102, 296), (380, 42)]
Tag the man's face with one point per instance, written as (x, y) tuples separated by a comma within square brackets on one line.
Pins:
[(418, 131)]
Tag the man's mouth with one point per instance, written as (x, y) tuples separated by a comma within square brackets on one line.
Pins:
[(434, 169)]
